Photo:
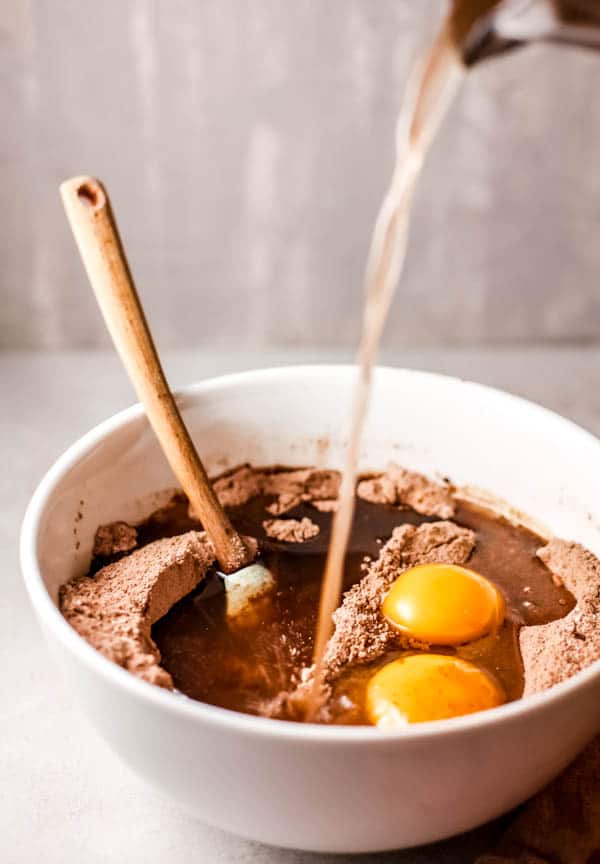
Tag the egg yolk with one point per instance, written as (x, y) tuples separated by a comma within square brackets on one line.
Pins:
[(420, 687), (443, 604)]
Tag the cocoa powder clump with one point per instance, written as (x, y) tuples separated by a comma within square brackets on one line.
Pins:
[(115, 609), (114, 538), (554, 652), (288, 487), (402, 487), (294, 487), (291, 530), (238, 486)]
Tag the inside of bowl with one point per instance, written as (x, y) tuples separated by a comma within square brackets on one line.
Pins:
[(540, 463)]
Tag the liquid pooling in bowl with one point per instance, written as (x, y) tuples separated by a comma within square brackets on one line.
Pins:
[(244, 665)]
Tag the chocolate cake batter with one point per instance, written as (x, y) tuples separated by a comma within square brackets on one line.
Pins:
[(160, 610)]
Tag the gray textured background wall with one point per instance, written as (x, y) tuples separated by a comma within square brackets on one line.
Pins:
[(246, 144)]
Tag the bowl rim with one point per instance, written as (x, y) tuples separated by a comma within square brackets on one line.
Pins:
[(169, 701)]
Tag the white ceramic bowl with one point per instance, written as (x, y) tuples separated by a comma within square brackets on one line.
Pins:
[(305, 786)]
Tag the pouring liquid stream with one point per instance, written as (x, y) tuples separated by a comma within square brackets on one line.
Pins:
[(431, 88), (472, 31)]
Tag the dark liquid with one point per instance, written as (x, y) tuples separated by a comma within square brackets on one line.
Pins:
[(243, 666)]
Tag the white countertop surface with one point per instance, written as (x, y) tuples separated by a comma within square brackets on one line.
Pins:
[(64, 796)]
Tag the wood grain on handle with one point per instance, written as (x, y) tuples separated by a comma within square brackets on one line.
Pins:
[(90, 215)]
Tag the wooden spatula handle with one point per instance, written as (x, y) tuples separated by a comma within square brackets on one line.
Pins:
[(90, 215)]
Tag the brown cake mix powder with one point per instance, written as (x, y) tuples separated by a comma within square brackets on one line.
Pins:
[(409, 489), (555, 651), (291, 530), (116, 608), (288, 488), (114, 538)]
